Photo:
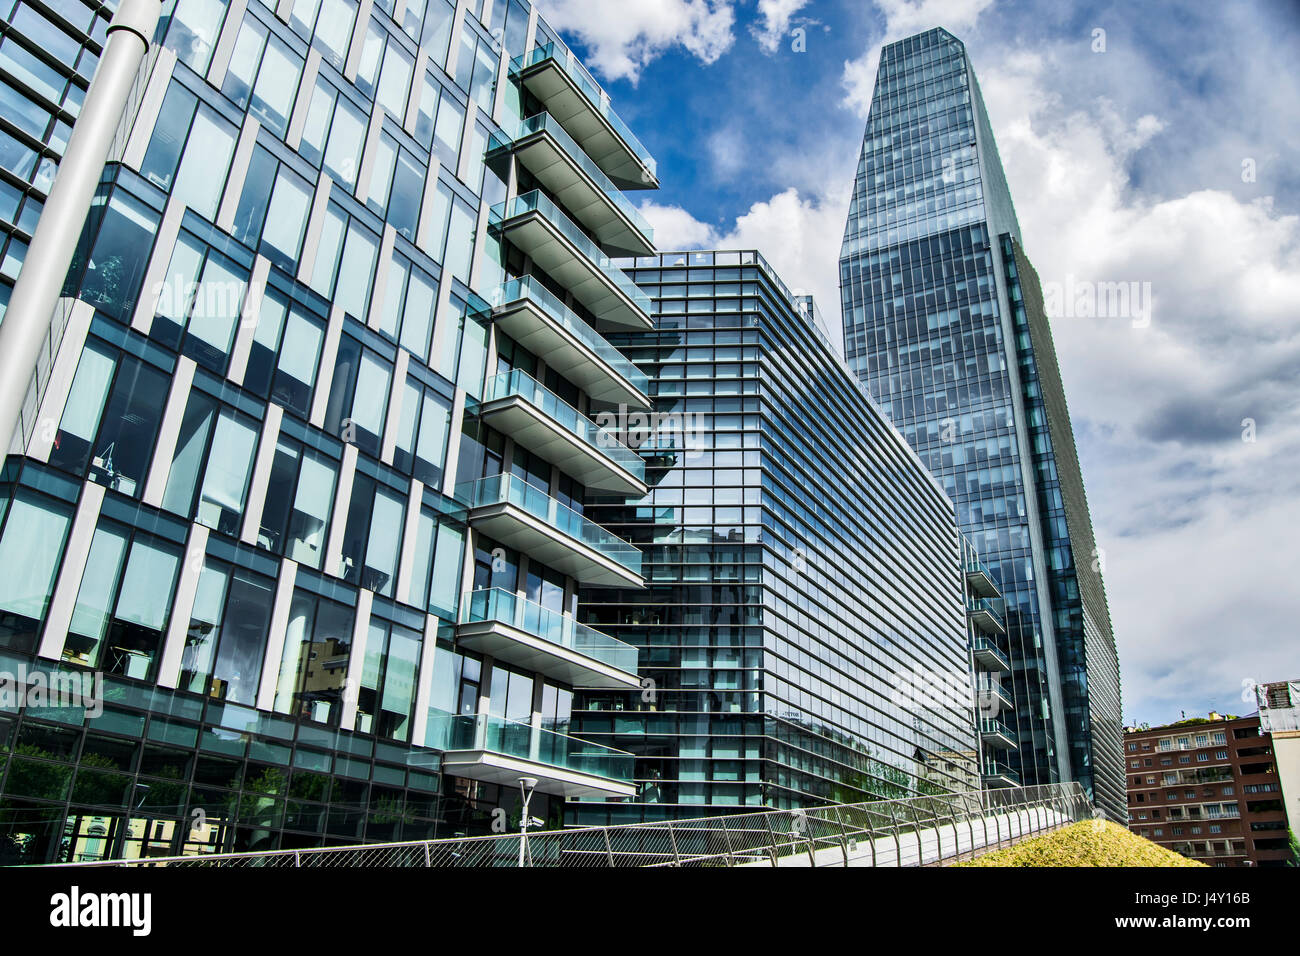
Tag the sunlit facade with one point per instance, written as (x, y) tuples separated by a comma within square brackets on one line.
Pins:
[(802, 633), (944, 324), (303, 472)]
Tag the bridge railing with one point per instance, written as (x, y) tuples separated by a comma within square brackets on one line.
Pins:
[(908, 832)]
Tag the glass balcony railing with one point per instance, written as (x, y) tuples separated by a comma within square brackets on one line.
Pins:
[(994, 607), (506, 607), (991, 725), (545, 122), (989, 689), (986, 644), (549, 303), (509, 489), (994, 768), (512, 738), (519, 383), (536, 201), (597, 97)]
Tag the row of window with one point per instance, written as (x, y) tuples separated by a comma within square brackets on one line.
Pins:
[(125, 599)]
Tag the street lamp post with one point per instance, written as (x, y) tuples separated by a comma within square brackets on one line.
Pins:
[(526, 787)]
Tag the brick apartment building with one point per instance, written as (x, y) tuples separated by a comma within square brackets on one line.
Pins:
[(1208, 788)]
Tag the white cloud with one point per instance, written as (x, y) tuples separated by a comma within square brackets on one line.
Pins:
[(622, 38), (800, 236), (903, 18), (776, 16), (1173, 488)]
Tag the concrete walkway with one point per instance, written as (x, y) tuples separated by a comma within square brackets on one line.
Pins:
[(927, 846)]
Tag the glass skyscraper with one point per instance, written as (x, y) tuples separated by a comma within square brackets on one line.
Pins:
[(944, 323), (303, 470), (804, 586)]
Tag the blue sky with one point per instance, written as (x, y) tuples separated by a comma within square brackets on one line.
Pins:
[(1168, 158)]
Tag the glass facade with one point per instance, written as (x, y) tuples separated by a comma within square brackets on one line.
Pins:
[(243, 505), (927, 284), (801, 567)]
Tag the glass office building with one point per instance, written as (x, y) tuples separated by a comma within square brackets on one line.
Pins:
[(804, 600), (944, 324), (303, 470)]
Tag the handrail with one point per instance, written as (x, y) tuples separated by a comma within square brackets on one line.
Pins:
[(910, 831)]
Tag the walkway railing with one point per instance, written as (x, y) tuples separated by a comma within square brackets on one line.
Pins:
[(917, 831)]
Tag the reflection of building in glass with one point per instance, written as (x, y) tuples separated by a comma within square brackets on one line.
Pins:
[(803, 623)]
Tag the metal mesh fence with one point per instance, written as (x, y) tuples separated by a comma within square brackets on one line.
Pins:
[(915, 831)]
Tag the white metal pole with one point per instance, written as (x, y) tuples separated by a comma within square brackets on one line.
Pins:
[(31, 306)]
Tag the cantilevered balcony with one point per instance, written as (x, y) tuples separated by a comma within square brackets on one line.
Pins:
[(497, 750), (980, 579), (987, 615), (543, 232), (539, 420), (525, 518), (504, 625), (535, 317), (997, 734), (989, 690), (997, 774), (571, 176), (567, 91), (989, 656)]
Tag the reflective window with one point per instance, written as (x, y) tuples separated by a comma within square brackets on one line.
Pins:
[(213, 462), (193, 31), (373, 536), (439, 551), (442, 119), (386, 695), (124, 602), (263, 76), (358, 404), (476, 68), (31, 545), (119, 237), (203, 143), (285, 356), (299, 499), (409, 304), (227, 633), (274, 206), (344, 240), (422, 433), (200, 303), (329, 23), (111, 418), (334, 133), (436, 34), (384, 71), (314, 666)]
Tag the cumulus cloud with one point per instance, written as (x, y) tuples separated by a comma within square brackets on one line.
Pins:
[(620, 42), (798, 235), (776, 16), (1189, 427)]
